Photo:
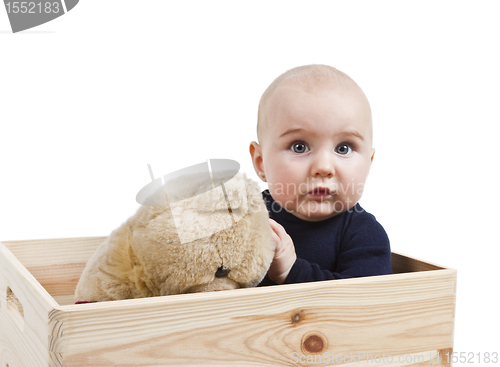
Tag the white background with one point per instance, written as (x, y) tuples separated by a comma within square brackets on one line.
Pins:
[(89, 99)]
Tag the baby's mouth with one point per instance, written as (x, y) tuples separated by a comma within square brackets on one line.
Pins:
[(320, 193)]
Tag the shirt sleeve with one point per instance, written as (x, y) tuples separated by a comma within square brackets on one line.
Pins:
[(364, 251)]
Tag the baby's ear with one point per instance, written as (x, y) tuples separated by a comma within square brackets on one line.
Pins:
[(257, 160)]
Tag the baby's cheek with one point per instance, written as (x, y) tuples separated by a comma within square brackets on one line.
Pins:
[(281, 189), (354, 189)]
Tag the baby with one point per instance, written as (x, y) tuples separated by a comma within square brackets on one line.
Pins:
[(315, 150)]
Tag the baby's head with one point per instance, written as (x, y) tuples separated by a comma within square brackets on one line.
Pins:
[(314, 145)]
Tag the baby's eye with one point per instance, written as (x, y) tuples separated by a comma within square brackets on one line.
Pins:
[(299, 147), (343, 149)]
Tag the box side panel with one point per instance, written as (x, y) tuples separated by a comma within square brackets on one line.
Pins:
[(405, 264), (59, 280), (56, 263), (393, 315), (9, 354), (57, 251), (24, 309)]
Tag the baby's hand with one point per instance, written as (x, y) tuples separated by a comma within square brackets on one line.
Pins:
[(284, 254)]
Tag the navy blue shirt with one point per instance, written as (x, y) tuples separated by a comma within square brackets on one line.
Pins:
[(350, 244)]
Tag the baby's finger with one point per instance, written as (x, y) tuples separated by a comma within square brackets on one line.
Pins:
[(275, 238), (276, 227)]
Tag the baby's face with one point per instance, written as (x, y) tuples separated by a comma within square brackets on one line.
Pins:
[(317, 150)]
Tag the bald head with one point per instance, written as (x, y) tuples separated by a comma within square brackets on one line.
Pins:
[(308, 78)]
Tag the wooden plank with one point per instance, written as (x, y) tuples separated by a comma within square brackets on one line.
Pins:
[(394, 314), (9, 353), (406, 264), (65, 299), (55, 251), (58, 280), (24, 335), (56, 264)]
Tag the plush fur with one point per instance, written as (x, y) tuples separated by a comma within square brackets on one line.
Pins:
[(172, 249)]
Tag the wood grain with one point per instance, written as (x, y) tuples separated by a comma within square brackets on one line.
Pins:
[(408, 313), (406, 264), (396, 314), (26, 335)]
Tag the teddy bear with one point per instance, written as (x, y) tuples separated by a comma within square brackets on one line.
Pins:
[(193, 234)]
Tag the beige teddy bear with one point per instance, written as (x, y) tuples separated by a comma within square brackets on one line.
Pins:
[(194, 235)]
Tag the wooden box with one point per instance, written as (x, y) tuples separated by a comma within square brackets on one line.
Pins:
[(398, 320)]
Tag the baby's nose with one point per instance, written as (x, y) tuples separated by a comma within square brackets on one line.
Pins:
[(323, 166)]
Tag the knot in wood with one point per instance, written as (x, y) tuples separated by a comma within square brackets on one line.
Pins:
[(296, 317), (313, 343)]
